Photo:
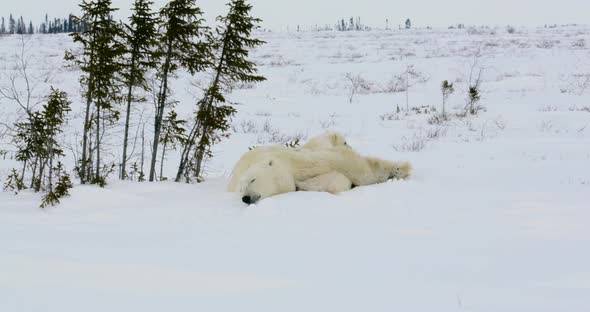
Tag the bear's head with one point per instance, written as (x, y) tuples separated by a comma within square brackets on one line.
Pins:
[(384, 170), (264, 179)]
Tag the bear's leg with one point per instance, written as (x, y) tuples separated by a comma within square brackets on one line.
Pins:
[(401, 170), (332, 182)]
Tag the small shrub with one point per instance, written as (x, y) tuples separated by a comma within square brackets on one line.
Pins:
[(437, 119), (357, 85), (447, 89), (14, 183), (473, 101), (248, 126), (61, 189), (547, 44), (411, 145), (423, 109), (579, 44), (293, 143)]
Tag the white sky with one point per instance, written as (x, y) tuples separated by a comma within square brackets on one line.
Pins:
[(277, 14)]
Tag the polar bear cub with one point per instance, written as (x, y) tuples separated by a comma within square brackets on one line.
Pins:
[(326, 140)]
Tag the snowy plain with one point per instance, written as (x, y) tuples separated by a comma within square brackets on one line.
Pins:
[(495, 218)]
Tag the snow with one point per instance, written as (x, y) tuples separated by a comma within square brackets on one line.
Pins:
[(496, 217)]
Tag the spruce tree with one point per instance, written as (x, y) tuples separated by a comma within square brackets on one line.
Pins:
[(408, 24), (21, 29), (183, 44), (71, 27), (62, 186), (38, 146), (446, 88), (11, 25), (13, 182), (30, 31), (55, 112), (100, 63), (141, 38), (232, 43), (173, 134), (2, 27), (29, 139), (473, 97)]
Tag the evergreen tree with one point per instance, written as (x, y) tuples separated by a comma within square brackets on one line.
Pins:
[(2, 27), (99, 61), (71, 24), (14, 183), (408, 24), (446, 88), (11, 25), (23, 26), (182, 45), (231, 66), (30, 31), (473, 97), (55, 116), (173, 133), (61, 187), (141, 38), (19, 26), (37, 143)]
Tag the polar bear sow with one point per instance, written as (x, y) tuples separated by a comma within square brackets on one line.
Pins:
[(267, 171)]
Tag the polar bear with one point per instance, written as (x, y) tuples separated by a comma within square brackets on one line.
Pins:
[(326, 140), (266, 171)]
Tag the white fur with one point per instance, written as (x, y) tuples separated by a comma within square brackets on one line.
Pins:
[(267, 171), (331, 182), (326, 140)]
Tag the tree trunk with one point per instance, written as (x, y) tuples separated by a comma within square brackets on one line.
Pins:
[(207, 104), (159, 116), (50, 176), (97, 172), (142, 149), (34, 172), (50, 180), (162, 158), (123, 173), (40, 179), (87, 125), (186, 152), (22, 175)]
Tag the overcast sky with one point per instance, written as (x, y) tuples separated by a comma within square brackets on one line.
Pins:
[(277, 14)]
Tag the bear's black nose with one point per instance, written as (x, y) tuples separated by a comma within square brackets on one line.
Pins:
[(246, 199)]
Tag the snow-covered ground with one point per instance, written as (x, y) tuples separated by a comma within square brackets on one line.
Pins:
[(496, 217)]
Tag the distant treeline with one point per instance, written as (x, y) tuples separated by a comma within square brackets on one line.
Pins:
[(54, 26)]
